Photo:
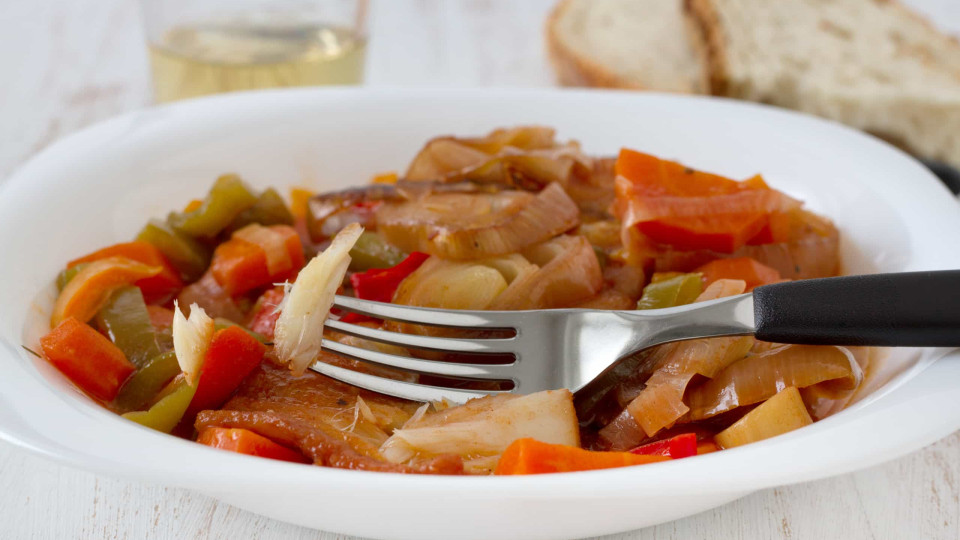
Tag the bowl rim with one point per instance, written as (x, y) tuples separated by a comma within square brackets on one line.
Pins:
[(187, 464)]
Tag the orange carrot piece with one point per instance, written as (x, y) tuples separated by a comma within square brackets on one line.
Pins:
[(87, 358), (156, 289), (90, 289), (706, 447), (240, 266), (530, 456), (749, 270), (244, 441)]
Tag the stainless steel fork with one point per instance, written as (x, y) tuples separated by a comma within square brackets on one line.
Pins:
[(569, 348)]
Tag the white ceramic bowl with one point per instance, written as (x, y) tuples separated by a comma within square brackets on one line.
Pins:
[(99, 186)]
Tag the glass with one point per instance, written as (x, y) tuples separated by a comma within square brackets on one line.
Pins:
[(200, 47)]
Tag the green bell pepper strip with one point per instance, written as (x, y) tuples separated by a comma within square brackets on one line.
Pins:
[(147, 382), (165, 414), (64, 277), (185, 254), (126, 321), (671, 292), (227, 198), (372, 251), (220, 323), (270, 209)]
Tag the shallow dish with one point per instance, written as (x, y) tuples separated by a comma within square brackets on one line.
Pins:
[(95, 187)]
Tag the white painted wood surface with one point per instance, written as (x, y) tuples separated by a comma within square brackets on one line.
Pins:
[(68, 63)]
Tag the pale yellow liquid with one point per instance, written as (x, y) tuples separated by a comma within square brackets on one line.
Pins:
[(196, 61)]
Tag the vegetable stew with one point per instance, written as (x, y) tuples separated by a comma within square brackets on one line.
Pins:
[(205, 324)]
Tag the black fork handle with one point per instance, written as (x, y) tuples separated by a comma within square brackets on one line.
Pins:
[(919, 309)]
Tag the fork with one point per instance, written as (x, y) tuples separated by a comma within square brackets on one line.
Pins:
[(569, 348)]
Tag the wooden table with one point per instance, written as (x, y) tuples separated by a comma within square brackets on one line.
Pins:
[(69, 63)]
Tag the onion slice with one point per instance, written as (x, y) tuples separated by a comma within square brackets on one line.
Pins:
[(477, 225), (481, 429), (307, 303), (759, 377), (660, 403), (191, 340)]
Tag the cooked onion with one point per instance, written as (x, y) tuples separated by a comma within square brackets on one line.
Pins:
[(758, 377), (299, 330), (569, 273), (462, 226), (191, 339), (446, 284), (660, 403), (482, 429)]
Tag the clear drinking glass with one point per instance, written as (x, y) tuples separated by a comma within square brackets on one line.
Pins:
[(200, 47)]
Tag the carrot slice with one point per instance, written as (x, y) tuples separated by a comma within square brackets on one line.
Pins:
[(244, 441), (232, 355), (240, 266), (530, 456), (749, 270), (90, 289), (156, 289), (87, 358)]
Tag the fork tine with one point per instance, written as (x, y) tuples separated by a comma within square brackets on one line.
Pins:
[(492, 345), (450, 369), (400, 389), (434, 317)]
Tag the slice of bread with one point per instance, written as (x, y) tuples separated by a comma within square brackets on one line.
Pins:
[(871, 64), (640, 44)]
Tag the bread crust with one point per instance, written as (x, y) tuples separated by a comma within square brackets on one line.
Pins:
[(574, 69), (708, 41)]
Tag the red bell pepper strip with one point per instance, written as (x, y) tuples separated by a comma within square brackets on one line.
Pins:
[(240, 266), (264, 318), (157, 289), (681, 446), (232, 355), (380, 284), (674, 205), (530, 456), (87, 358), (244, 441), (749, 270)]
